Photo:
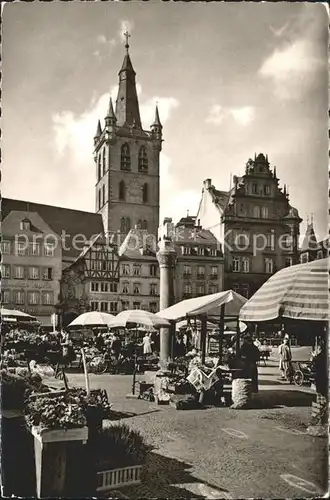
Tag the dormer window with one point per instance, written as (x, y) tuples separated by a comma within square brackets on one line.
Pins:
[(125, 158), (25, 225)]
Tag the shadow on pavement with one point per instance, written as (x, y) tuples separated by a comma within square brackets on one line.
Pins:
[(273, 398), (269, 381), (162, 477)]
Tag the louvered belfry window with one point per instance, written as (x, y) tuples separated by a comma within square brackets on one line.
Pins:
[(143, 159), (125, 157)]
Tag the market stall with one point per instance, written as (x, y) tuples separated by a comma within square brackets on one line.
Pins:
[(218, 309), (299, 294), (210, 375)]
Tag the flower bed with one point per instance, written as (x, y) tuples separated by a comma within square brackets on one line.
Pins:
[(67, 409)]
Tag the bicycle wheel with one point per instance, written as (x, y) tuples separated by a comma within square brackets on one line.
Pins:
[(99, 364), (289, 375), (298, 378)]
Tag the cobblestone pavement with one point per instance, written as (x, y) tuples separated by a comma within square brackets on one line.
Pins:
[(225, 453)]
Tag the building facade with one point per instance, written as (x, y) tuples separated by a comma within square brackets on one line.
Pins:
[(38, 243), (127, 163), (139, 272), (255, 223), (91, 283), (31, 265), (199, 259), (311, 248)]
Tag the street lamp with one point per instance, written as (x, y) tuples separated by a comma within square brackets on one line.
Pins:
[(59, 316)]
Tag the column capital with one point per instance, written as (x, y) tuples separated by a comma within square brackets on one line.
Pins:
[(166, 254)]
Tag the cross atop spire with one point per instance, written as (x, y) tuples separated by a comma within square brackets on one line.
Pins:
[(127, 36)]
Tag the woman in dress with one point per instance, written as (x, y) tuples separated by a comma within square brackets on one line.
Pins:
[(147, 348)]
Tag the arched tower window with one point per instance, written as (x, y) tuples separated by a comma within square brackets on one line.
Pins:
[(144, 225), (125, 158), (128, 224), (103, 194), (145, 194), (123, 225), (98, 167), (103, 161), (122, 190), (143, 159), (100, 200)]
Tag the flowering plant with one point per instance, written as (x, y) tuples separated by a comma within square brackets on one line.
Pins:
[(60, 411), (73, 408)]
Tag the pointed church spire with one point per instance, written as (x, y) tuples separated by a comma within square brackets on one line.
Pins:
[(157, 120), (110, 113), (156, 128), (98, 129), (127, 104), (275, 172), (284, 190)]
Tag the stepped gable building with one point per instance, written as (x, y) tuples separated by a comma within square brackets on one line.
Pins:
[(139, 272), (199, 263), (311, 248), (31, 265), (127, 162), (255, 223)]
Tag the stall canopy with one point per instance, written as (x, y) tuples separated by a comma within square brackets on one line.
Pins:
[(138, 317), (207, 304), (13, 315), (296, 292), (93, 318)]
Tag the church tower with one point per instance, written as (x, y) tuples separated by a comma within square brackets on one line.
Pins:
[(127, 162)]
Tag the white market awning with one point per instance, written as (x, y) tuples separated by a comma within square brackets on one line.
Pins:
[(207, 304)]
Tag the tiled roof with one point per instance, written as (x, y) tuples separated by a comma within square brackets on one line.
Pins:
[(138, 245), (11, 224), (219, 198), (61, 220), (194, 235), (310, 241)]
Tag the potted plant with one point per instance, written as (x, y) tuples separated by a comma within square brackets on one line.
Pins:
[(17, 445), (58, 424), (119, 455)]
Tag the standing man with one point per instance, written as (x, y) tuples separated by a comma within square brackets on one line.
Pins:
[(285, 357)]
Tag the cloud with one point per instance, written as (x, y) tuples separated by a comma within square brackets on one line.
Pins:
[(125, 25), (292, 69), (242, 116), (278, 32), (175, 201), (165, 106), (216, 115), (73, 134)]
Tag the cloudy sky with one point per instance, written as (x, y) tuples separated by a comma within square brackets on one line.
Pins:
[(230, 79)]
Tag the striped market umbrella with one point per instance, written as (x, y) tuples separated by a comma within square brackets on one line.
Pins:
[(296, 292), (138, 317)]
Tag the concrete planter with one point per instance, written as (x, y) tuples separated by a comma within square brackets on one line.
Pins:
[(51, 450), (113, 479)]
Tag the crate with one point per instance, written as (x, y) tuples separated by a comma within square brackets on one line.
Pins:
[(112, 479)]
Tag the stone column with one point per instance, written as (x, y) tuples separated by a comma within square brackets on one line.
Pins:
[(166, 256)]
